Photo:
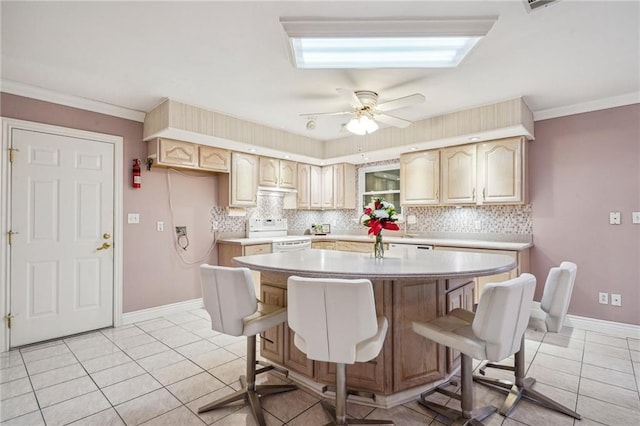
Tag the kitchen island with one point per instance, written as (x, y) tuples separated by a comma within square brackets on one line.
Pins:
[(407, 288)]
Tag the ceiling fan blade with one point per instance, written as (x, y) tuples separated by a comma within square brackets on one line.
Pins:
[(406, 101), (353, 99), (318, 114), (391, 120)]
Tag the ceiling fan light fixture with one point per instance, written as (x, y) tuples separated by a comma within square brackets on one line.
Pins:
[(393, 43), (362, 125)]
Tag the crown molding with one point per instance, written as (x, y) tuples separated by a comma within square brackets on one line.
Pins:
[(600, 104), (40, 94)]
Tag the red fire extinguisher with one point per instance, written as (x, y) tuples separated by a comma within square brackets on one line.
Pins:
[(137, 180)]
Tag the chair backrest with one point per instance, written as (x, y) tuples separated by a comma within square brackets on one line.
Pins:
[(229, 296), (503, 314), (556, 295), (331, 315)]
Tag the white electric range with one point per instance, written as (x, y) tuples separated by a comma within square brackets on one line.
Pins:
[(276, 230)]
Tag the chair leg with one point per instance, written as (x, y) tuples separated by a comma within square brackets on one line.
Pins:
[(249, 392), (339, 413), (522, 387), (467, 415)]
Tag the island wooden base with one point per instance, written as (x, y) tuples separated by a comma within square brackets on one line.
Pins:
[(406, 361)]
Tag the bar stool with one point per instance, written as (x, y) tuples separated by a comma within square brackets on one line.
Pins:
[(548, 315), (230, 299), (493, 333), (334, 320)]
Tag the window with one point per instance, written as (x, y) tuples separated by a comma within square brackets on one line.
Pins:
[(380, 181)]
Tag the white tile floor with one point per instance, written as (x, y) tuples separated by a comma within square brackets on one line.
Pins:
[(159, 372)]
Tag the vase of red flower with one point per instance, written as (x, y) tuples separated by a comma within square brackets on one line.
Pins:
[(379, 215)]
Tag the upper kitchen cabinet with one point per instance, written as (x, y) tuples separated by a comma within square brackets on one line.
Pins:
[(485, 173), (326, 185), (501, 171), (458, 174), (240, 187), (169, 152), (304, 186), (344, 186), (420, 178), (214, 159), (277, 173), (186, 155)]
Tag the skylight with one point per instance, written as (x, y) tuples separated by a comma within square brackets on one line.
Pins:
[(394, 43)]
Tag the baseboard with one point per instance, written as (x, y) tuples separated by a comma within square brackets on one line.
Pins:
[(617, 329), (160, 311)]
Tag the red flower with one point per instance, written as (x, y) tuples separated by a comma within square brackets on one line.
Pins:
[(390, 226), (375, 226), (368, 211)]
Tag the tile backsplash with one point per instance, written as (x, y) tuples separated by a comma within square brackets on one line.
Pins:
[(507, 219)]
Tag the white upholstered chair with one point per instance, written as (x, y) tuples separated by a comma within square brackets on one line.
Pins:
[(230, 299), (493, 333), (335, 320), (546, 315)]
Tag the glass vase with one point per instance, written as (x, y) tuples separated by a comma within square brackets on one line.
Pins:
[(378, 247)]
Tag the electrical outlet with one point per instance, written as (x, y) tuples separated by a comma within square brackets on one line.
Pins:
[(181, 230), (616, 299), (614, 218), (214, 226), (478, 225), (133, 218), (160, 226), (635, 218), (603, 298)]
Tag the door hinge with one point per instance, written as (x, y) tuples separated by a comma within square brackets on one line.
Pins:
[(9, 317), (12, 152), (11, 234)]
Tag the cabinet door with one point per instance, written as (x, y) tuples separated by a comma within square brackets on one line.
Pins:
[(315, 193), (416, 360), (288, 171), (326, 245), (344, 186), (458, 174), (244, 179), (269, 171), (354, 246), (177, 153), (272, 340), (327, 187), (304, 186), (212, 158), (500, 171), (420, 178)]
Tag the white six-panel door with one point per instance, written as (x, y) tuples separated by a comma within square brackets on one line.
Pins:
[(62, 219)]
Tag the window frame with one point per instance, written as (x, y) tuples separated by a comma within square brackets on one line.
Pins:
[(362, 171)]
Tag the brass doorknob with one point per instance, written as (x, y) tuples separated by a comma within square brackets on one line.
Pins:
[(106, 235), (104, 246)]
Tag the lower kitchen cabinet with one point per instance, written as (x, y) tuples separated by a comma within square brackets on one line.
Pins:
[(407, 360), (522, 265), (272, 340), (226, 253), (326, 245)]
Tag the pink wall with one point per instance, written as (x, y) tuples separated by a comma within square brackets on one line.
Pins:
[(582, 167), (153, 274)]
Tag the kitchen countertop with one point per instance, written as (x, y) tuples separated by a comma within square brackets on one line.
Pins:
[(333, 264), (468, 241)]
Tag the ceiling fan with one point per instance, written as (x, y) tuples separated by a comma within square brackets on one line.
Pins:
[(366, 111)]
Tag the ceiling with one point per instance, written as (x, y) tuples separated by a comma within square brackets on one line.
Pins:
[(231, 57)]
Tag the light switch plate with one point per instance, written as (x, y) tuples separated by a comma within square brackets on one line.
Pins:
[(635, 218), (133, 218), (614, 218)]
